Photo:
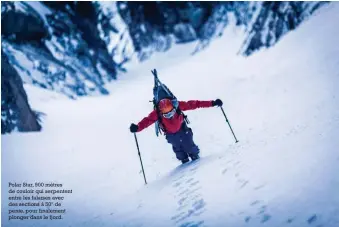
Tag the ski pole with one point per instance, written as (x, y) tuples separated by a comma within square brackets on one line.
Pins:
[(142, 167), (222, 109)]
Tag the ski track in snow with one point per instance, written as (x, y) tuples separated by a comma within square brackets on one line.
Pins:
[(282, 104)]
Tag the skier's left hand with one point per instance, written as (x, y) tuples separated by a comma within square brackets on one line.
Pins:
[(133, 128), (217, 102)]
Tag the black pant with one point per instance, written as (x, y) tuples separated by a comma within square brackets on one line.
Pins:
[(182, 142)]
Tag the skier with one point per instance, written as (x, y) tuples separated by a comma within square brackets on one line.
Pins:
[(168, 113)]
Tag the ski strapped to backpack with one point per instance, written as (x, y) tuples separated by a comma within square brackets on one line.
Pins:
[(161, 91)]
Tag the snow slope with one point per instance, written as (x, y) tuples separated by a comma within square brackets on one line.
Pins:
[(282, 104)]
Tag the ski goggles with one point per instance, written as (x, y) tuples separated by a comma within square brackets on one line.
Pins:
[(169, 114)]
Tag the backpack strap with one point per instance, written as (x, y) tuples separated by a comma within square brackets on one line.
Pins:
[(160, 124), (179, 111)]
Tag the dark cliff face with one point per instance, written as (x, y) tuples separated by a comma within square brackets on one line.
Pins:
[(275, 19), (16, 113), (19, 27), (154, 26), (82, 19), (264, 23), (64, 49), (57, 46)]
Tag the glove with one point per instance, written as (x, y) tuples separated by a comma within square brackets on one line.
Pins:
[(133, 128), (217, 102)]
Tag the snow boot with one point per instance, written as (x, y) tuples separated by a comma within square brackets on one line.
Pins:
[(185, 160), (194, 157)]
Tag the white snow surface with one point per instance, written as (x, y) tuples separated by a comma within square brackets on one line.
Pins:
[(283, 104)]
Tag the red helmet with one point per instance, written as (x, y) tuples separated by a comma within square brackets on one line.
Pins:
[(165, 106)]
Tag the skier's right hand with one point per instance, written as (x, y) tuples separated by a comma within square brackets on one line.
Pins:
[(133, 128), (217, 102)]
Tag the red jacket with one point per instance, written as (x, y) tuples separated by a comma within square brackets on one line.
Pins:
[(173, 125)]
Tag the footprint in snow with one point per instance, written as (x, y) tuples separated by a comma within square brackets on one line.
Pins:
[(199, 204), (190, 205), (187, 198), (244, 183), (182, 200), (255, 202), (177, 184), (259, 187), (312, 219), (189, 180), (177, 216), (265, 218), (192, 224), (247, 219), (179, 178), (198, 196), (194, 190), (262, 210), (188, 190), (183, 192), (237, 163), (193, 170), (189, 213), (194, 183), (290, 220)]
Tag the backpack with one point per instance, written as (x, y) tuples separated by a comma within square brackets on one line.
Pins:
[(161, 91)]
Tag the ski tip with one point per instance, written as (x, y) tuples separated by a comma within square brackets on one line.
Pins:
[(154, 72)]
